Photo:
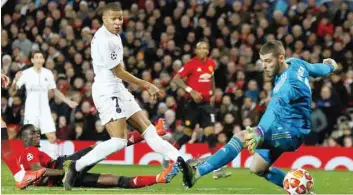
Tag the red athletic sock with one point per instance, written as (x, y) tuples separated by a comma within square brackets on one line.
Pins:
[(134, 137), (142, 181), (8, 156)]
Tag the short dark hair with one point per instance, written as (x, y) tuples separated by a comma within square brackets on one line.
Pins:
[(111, 7), (274, 47), (25, 128), (36, 52)]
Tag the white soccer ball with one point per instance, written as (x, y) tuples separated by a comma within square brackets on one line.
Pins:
[(298, 181)]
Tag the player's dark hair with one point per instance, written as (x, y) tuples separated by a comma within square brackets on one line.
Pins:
[(36, 52), (111, 7), (274, 47), (25, 128)]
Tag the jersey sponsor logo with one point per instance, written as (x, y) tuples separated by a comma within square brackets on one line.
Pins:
[(29, 157), (34, 88), (206, 77)]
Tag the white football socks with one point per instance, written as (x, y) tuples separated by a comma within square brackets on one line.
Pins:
[(19, 175), (159, 145), (100, 152)]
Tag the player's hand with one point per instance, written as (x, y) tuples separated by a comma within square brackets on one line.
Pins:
[(196, 96), (154, 91), (252, 139), (18, 75), (331, 62), (72, 104), (4, 80)]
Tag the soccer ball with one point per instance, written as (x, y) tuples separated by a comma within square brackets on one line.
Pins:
[(298, 181)]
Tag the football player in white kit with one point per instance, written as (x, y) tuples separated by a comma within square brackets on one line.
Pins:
[(115, 104), (38, 81)]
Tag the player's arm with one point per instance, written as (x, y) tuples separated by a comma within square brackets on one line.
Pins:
[(52, 86), (18, 82), (178, 80), (121, 73), (321, 69), (49, 172), (4, 80), (65, 99)]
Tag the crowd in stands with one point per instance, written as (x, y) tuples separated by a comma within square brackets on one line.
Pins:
[(160, 36)]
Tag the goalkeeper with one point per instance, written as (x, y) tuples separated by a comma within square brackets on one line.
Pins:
[(283, 126)]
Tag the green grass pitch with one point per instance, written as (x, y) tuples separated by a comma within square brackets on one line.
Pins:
[(241, 182)]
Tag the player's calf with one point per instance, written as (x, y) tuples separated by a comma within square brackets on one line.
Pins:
[(260, 167)]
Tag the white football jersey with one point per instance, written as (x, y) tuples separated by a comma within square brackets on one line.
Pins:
[(37, 86), (106, 53)]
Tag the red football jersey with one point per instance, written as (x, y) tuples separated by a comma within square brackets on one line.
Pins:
[(33, 155), (199, 76)]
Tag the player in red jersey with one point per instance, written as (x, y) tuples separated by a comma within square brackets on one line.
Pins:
[(34, 159), (23, 178), (200, 86)]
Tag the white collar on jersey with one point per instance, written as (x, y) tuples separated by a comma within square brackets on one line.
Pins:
[(107, 31)]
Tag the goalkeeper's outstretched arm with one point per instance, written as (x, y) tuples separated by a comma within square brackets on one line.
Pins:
[(321, 69)]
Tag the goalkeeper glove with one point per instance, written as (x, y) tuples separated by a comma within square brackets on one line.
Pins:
[(331, 62), (253, 138)]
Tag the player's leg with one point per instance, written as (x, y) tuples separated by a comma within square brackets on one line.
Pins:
[(59, 162), (23, 178), (135, 136), (117, 131), (52, 147), (261, 166), (149, 133), (277, 139), (207, 121), (8, 156), (114, 119), (221, 158), (111, 181), (47, 127), (190, 119), (139, 120)]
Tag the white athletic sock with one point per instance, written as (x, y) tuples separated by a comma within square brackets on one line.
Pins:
[(159, 145), (19, 175), (53, 151), (100, 152)]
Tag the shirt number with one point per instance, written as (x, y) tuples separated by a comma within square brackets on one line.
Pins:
[(118, 109)]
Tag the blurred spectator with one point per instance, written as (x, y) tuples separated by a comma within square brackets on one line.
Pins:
[(331, 142), (330, 107), (63, 131), (318, 124), (101, 133), (348, 142)]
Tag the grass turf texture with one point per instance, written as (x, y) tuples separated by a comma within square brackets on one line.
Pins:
[(241, 182)]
